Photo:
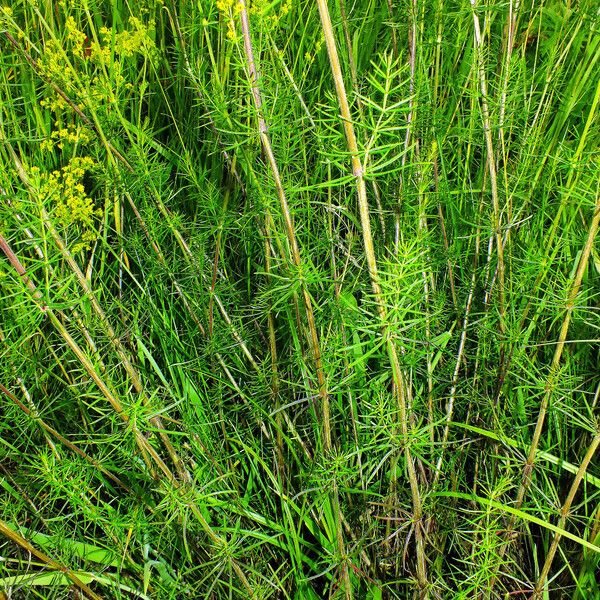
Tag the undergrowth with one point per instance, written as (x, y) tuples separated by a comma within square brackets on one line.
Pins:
[(299, 300)]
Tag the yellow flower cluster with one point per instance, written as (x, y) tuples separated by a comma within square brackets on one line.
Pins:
[(66, 135), (98, 53), (230, 9), (54, 66), (263, 7), (69, 202), (55, 104), (137, 40), (6, 14), (309, 57), (71, 66), (285, 8), (76, 37)]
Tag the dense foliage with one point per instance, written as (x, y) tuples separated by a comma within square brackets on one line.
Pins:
[(299, 300)]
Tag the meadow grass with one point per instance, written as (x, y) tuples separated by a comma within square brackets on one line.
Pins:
[(299, 300)]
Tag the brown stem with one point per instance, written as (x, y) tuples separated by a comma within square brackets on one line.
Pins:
[(49, 562)]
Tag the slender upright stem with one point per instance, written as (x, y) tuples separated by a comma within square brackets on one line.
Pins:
[(564, 513), (554, 367), (401, 385), (289, 224), (491, 163)]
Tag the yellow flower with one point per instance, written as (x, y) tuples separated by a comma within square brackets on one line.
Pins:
[(285, 8), (69, 203), (55, 104), (47, 145), (75, 36), (135, 41)]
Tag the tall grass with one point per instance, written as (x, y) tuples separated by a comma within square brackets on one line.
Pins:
[(299, 300)]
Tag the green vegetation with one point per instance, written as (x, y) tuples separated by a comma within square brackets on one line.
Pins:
[(299, 300)]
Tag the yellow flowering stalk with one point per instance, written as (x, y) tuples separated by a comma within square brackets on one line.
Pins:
[(76, 37), (136, 40), (68, 201), (55, 66), (64, 136), (263, 8), (80, 66), (229, 9), (55, 104)]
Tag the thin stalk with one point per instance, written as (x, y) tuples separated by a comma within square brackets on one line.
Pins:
[(229, 160), (554, 367), (454, 386), (513, 15), (359, 103), (573, 292), (32, 413), (143, 444), (491, 162), (564, 513), (215, 270), (289, 224), (136, 381), (275, 378), (509, 43), (150, 455), (296, 258), (49, 562), (442, 220), (412, 49), (390, 7), (460, 356), (398, 376), (192, 312), (572, 179), (349, 50)]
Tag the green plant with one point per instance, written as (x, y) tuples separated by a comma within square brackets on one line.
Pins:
[(299, 300)]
